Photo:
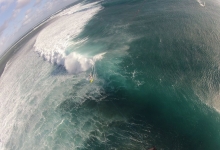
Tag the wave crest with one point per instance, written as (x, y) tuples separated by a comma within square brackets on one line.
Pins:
[(53, 40)]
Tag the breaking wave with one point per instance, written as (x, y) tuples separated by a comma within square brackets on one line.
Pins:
[(76, 63), (52, 42)]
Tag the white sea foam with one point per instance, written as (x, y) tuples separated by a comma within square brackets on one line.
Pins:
[(1, 146), (201, 3), (75, 63), (21, 97), (53, 41)]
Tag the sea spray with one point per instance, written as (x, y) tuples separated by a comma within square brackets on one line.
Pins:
[(76, 63)]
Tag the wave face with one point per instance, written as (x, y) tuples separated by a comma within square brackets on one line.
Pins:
[(156, 80), (52, 42)]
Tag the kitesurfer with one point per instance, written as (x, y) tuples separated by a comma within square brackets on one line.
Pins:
[(90, 78)]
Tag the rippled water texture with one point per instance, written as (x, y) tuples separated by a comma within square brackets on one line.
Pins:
[(155, 66)]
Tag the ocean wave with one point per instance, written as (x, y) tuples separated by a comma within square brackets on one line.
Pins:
[(52, 42)]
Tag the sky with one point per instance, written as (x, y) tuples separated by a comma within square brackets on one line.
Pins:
[(19, 16)]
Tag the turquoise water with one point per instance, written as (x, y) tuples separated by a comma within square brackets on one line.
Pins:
[(156, 85)]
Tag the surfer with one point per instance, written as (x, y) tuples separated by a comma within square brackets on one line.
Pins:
[(91, 75), (90, 78)]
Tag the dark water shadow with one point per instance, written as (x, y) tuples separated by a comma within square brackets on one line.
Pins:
[(152, 118)]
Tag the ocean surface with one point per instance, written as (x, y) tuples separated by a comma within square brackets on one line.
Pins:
[(156, 70)]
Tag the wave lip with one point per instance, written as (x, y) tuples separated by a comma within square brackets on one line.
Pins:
[(52, 42)]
